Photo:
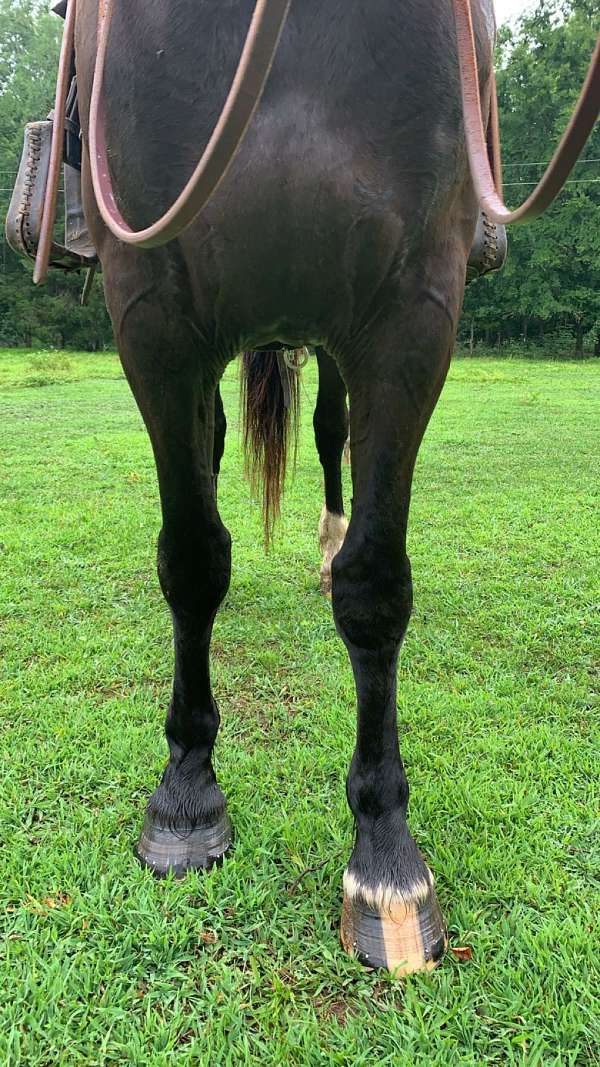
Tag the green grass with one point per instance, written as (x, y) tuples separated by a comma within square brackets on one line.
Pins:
[(32, 366), (500, 734)]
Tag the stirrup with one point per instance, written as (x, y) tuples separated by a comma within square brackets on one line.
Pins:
[(24, 218), (490, 248)]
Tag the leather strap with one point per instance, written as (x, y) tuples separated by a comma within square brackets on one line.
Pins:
[(488, 185), (63, 82), (245, 93)]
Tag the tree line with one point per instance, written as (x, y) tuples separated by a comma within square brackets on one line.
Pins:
[(549, 291), (547, 296)]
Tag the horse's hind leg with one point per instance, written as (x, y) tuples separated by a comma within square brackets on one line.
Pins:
[(391, 917), (331, 432), (174, 384)]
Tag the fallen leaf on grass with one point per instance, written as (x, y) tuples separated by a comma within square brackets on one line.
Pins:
[(46, 904), (61, 900), (464, 953)]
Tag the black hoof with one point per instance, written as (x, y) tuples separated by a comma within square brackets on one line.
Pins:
[(164, 849), (399, 936)]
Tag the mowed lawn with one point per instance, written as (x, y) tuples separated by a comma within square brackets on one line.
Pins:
[(498, 706)]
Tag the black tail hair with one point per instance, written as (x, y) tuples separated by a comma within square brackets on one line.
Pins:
[(270, 398)]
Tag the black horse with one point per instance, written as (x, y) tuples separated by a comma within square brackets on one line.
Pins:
[(345, 223)]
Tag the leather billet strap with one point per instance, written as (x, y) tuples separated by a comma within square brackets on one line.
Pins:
[(248, 84), (488, 185)]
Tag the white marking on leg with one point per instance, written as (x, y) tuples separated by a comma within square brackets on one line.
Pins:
[(332, 531), (386, 899)]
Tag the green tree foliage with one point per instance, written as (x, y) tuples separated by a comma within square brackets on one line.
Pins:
[(550, 286), (29, 45)]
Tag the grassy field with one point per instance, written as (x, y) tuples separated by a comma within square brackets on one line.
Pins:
[(500, 734)]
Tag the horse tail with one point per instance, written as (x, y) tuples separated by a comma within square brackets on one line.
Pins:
[(270, 400)]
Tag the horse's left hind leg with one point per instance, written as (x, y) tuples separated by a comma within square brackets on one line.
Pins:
[(174, 384), (331, 432)]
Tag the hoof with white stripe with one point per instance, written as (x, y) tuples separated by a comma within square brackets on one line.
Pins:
[(400, 932)]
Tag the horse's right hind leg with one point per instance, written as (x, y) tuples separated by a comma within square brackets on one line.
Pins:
[(391, 917), (331, 433), (174, 384)]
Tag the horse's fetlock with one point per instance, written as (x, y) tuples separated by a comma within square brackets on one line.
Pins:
[(385, 857), (186, 724), (376, 792), (188, 794)]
